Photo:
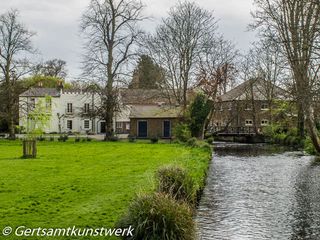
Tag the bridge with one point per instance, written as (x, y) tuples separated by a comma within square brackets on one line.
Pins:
[(234, 131)]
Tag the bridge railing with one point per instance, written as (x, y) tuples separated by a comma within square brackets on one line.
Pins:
[(233, 130)]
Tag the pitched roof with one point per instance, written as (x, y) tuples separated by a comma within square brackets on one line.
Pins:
[(155, 111), (142, 96), (41, 92), (241, 91)]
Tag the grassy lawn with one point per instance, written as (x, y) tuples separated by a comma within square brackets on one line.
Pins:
[(87, 184)]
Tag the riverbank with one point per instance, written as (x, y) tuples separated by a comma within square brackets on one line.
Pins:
[(85, 184)]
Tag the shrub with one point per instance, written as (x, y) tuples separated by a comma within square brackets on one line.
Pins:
[(63, 138), (176, 182), (131, 138), (209, 140), (51, 139), (154, 140), (192, 142), (158, 216), (77, 139), (114, 139), (182, 132), (89, 139), (308, 146), (41, 138)]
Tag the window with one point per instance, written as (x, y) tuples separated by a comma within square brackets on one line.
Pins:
[(118, 124), (32, 103), (264, 122), (86, 124), (69, 124), (248, 122), (127, 126), (86, 107), (48, 103), (69, 108), (264, 106)]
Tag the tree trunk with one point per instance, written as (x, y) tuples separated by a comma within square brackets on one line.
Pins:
[(300, 126), (312, 129), (29, 149)]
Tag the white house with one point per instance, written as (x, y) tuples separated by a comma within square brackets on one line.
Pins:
[(69, 108)]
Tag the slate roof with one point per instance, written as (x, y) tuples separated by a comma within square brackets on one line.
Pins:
[(142, 96), (242, 91), (155, 111), (41, 92)]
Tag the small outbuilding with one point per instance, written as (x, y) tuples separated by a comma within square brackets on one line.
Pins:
[(147, 121)]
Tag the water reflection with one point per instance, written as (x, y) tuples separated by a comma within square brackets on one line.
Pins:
[(260, 192)]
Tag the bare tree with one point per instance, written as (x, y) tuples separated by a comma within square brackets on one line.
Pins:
[(53, 68), (111, 32), (15, 40), (216, 71), (294, 25), (178, 41)]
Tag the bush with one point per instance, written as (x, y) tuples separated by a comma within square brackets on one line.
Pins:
[(51, 139), (192, 142), (41, 138), (158, 216), (63, 138), (77, 139), (114, 139), (131, 138), (176, 182), (154, 140), (210, 140), (182, 132), (89, 139), (308, 146)]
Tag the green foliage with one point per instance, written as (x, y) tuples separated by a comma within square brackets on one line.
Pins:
[(198, 110), (182, 132), (132, 138), (176, 182), (159, 217), (147, 75), (38, 118), (309, 147), (192, 142), (46, 81), (63, 138), (210, 140), (154, 139)]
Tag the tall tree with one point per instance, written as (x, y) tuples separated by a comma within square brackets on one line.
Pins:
[(216, 71), (15, 41), (294, 25), (177, 43), (147, 74), (52, 68), (110, 28)]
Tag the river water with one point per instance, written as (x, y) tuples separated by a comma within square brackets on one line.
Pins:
[(258, 192)]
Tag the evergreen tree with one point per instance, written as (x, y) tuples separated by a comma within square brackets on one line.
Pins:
[(147, 74)]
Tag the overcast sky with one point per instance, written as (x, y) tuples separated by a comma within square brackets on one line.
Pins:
[(56, 23)]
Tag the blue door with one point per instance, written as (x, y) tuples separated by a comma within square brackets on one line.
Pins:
[(142, 129), (166, 129)]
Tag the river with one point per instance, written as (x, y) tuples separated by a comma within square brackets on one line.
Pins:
[(260, 192)]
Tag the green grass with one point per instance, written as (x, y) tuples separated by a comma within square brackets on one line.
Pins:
[(87, 184)]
